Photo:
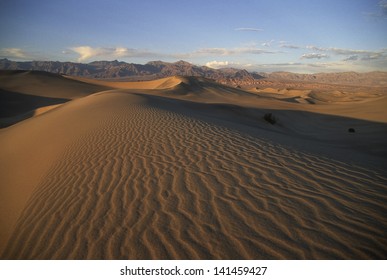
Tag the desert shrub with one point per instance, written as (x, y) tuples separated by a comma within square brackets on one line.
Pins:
[(270, 118)]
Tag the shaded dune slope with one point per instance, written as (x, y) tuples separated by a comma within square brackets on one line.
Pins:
[(141, 177), (23, 93), (46, 84)]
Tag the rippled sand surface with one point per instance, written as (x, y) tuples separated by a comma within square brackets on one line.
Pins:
[(124, 175)]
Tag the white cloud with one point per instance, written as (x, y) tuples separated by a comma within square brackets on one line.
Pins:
[(374, 56), (86, 53), (209, 51), (297, 67), (351, 54), (13, 53), (351, 58), (229, 64), (121, 52), (253, 51), (340, 51), (249, 29), (217, 64), (288, 46), (314, 55), (381, 12), (315, 48), (267, 44), (221, 52), (333, 50), (379, 56)]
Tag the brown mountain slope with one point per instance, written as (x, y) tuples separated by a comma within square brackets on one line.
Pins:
[(160, 69), (376, 78), (117, 70)]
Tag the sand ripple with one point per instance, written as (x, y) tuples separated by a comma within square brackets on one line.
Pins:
[(155, 182)]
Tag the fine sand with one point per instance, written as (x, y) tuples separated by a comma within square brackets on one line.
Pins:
[(184, 168)]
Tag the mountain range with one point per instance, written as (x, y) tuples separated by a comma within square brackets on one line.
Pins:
[(121, 70), (159, 69)]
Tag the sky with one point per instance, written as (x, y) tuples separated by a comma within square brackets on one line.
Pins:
[(304, 36)]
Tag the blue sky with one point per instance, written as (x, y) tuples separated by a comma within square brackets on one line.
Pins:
[(258, 35)]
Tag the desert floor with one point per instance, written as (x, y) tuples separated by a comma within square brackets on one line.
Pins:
[(184, 168)]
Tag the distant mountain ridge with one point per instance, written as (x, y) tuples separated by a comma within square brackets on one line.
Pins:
[(376, 78), (118, 70), (160, 69)]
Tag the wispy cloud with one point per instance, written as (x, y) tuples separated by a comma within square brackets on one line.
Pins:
[(332, 50), (253, 51), (217, 64), (268, 43), (229, 64), (314, 56), (381, 12), (222, 52), (374, 56), (13, 53), (288, 46), (351, 54), (251, 29), (86, 53), (351, 58), (340, 51), (315, 48), (297, 67), (210, 51), (383, 7), (378, 57)]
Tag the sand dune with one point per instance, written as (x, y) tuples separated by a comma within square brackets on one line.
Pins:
[(185, 170), (22, 93), (153, 84), (45, 84)]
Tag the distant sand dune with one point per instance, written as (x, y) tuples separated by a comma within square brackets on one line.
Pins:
[(45, 84), (152, 181), (163, 83), (23, 93)]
